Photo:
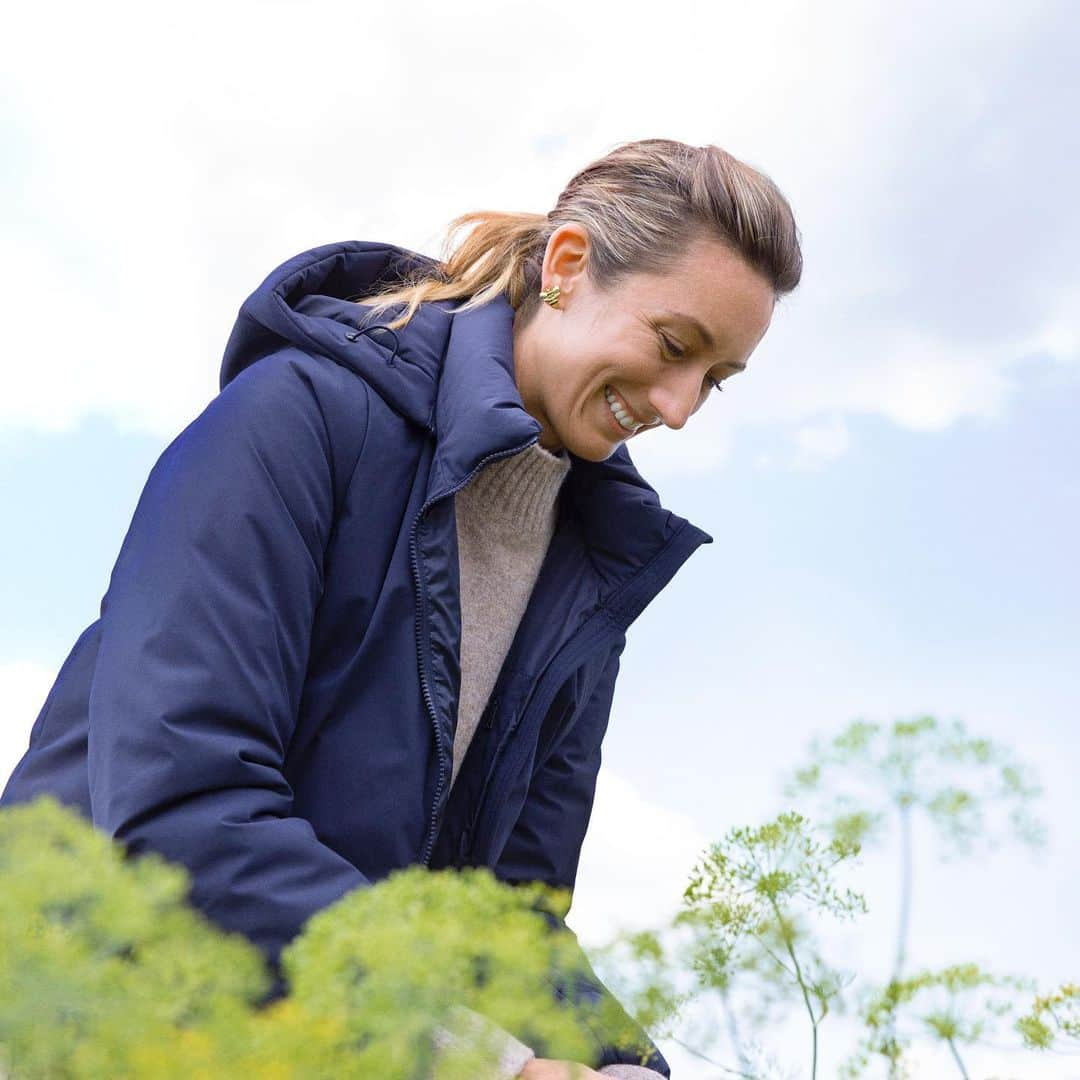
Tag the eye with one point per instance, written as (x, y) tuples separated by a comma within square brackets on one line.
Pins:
[(676, 350), (679, 352)]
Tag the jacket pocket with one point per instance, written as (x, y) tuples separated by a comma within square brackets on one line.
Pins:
[(559, 717)]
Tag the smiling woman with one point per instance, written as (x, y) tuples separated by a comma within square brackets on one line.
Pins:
[(626, 350), (660, 266), (372, 603)]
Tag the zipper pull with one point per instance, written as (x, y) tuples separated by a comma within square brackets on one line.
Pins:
[(489, 713)]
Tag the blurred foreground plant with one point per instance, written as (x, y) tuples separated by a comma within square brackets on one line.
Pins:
[(106, 971)]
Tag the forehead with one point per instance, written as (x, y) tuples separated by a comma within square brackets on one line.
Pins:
[(714, 285)]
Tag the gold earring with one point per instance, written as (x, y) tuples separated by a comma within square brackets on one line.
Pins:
[(550, 296)]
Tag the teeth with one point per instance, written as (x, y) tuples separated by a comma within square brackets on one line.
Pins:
[(620, 413)]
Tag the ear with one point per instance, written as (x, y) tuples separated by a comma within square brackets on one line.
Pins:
[(565, 256)]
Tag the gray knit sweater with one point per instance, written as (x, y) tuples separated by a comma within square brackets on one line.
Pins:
[(505, 520)]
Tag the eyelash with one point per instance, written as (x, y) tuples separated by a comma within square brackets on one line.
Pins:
[(713, 383)]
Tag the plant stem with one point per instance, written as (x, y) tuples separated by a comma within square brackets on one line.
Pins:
[(802, 987), (904, 920), (772, 956), (716, 1064), (957, 1059), (905, 893), (733, 1030)]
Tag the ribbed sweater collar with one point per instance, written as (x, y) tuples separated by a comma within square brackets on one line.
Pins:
[(515, 494)]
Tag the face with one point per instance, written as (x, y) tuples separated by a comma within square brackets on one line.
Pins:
[(654, 343)]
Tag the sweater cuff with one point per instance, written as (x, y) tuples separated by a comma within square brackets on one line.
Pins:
[(465, 1027), (630, 1072)]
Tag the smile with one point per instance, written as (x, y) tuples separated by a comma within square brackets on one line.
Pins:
[(621, 412)]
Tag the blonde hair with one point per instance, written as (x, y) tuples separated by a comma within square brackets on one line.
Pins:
[(640, 205)]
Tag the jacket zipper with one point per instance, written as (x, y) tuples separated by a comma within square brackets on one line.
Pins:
[(421, 617)]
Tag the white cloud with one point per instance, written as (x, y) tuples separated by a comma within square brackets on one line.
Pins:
[(166, 159), (24, 687), (818, 444), (635, 862), (905, 373), (925, 385), (1059, 334)]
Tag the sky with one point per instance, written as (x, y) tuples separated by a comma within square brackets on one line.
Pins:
[(891, 485)]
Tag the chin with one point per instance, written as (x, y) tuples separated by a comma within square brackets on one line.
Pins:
[(592, 450), (587, 442)]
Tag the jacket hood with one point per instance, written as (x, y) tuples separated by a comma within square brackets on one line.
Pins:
[(307, 302), (452, 374)]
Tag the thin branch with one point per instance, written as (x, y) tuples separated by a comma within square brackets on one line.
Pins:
[(957, 1059), (904, 924), (733, 1029), (904, 921), (772, 955), (805, 992), (715, 1064)]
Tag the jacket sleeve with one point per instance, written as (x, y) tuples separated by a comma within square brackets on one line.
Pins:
[(545, 845), (204, 645)]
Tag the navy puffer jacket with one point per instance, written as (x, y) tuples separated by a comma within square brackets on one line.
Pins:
[(270, 692)]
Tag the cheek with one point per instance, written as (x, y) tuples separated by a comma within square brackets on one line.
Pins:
[(580, 375), (606, 360)]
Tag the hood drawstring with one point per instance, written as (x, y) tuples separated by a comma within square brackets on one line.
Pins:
[(352, 335)]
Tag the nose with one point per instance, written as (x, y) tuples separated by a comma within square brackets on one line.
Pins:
[(674, 400)]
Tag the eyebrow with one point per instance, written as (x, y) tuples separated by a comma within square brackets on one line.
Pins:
[(702, 332)]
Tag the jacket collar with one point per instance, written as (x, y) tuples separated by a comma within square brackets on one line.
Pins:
[(450, 373)]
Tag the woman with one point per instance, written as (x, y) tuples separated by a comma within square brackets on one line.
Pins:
[(371, 605)]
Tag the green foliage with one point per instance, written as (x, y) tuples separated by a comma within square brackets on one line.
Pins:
[(753, 900), (388, 960), (642, 971), (749, 902), (102, 965), (1053, 1019), (867, 772), (755, 879), (867, 775), (956, 1006), (105, 970)]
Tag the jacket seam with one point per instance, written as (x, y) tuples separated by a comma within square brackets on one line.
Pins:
[(363, 439), (647, 573), (334, 492)]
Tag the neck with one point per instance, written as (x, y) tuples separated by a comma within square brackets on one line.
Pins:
[(524, 345)]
